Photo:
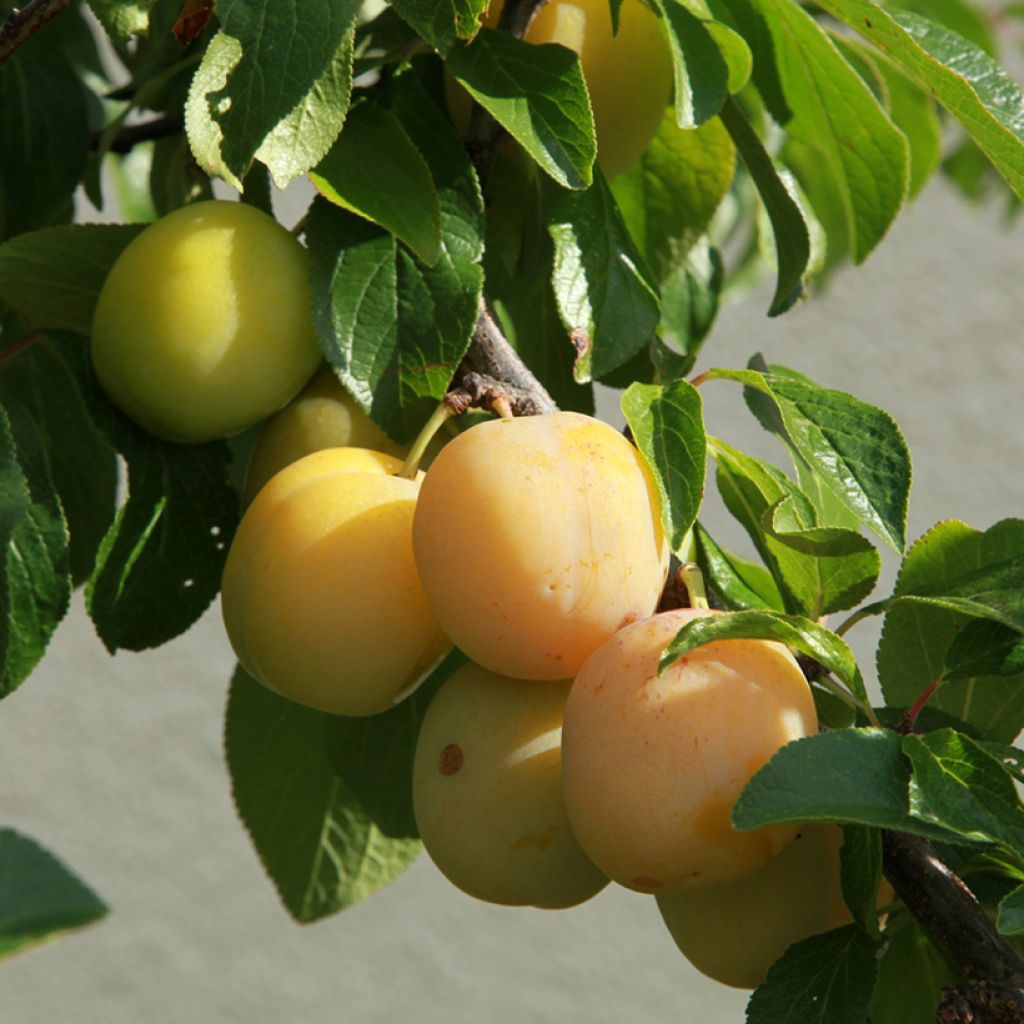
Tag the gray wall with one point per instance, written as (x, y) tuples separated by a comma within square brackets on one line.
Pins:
[(116, 762)]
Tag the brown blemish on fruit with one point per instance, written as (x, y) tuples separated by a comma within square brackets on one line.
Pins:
[(451, 759), (647, 883), (628, 620)]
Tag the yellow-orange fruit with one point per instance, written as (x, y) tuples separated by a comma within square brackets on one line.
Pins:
[(653, 765), (204, 326), (734, 932), (536, 538), (320, 594), (628, 74), (323, 415), (487, 790)]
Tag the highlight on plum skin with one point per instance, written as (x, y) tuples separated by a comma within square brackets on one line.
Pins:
[(536, 538), (487, 791), (653, 765)]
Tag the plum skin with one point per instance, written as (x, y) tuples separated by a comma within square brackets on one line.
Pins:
[(322, 415), (204, 325), (653, 765), (320, 596), (487, 792), (536, 538)]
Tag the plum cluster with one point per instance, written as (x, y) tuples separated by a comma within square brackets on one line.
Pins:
[(558, 759)]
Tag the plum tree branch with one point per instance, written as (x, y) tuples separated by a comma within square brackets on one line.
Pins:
[(128, 138), (21, 24), (492, 370), (947, 910)]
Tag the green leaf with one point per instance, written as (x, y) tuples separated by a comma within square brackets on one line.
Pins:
[(917, 633), (273, 85), (668, 197), (83, 467), (806, 636), (122, 19), (860, 870), (1010, 917), (393, 328), (984, 648), (817, 570), (911, 976), (789, 226), (160, 562), (52, 277), (963, 78), (442, 24), (834, 111), (39, 896), (701, 71), (690, 299), (668, 427), (960, 17), (374, 170), (960, 786), (537, 93), (849, 776), (322, 847), (35, 584), (826, 979), (45, 118), (174, 176), (518, 263), (605, 295), (738, 582), (913, 112), (855, 449)]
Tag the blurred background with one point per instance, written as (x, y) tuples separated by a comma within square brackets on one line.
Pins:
[(117, 764)]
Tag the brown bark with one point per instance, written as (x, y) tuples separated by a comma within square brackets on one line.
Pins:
[(20, 25)]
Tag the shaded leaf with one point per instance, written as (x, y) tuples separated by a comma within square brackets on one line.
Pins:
[(322, 847), (738, 582), (52, 277), (35, 584), (39, 896), (911, 976), (827, 979)]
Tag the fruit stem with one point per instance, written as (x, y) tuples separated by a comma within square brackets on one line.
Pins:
[(438, 418), (692, 579)]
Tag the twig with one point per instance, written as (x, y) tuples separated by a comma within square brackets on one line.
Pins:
[(492, 368), (20, 25), (127, 138), (948, 911)]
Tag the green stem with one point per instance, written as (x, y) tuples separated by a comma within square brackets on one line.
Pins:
[(692, 578), (826, 682), (859, 615), (440, 416)]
